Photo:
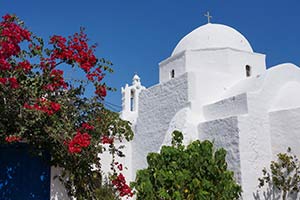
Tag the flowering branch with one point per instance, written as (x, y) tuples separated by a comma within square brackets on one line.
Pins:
[(39, 107)]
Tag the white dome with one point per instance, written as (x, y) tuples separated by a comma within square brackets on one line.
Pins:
[(213, 36)]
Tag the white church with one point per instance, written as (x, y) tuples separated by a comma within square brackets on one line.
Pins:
[(214, 86)]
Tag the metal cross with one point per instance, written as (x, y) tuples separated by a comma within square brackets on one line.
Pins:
[(208, 17)]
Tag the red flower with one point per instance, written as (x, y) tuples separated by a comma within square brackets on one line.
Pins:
[(55, 106), (57, 80), (7, 17), (101, 91), (87, 126), (90, 77), (12, 138), (120, 167), (25, 65), (86, 66), (97, 73), (13, 82), (57, 39), (3, 81), (85, 140), (78, 142), (107, 140), (44, 105), (13, 34), (121, 186), (74, 147), (4, 65)]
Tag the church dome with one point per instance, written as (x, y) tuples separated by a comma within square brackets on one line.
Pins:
[(213, 36)]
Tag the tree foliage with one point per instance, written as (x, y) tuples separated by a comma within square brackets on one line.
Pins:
[(192, 172), (284, 174), (38, 106)]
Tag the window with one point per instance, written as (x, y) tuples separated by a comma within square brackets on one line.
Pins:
[(132, 103), (172, 74), (248, 71)]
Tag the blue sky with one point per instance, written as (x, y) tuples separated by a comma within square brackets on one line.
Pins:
[(137, 34)]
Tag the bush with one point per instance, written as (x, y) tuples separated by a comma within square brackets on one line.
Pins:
[(196, 171), (284, 175)]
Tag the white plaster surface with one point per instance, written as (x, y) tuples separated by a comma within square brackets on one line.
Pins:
[(213, 36), (176, 63), (232, 106), (57, 189), (157, 107), (224, 133), (284, 129), (184, 120)]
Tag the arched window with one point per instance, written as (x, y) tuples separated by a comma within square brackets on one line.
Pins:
[(248, 71), (132, 103), (172, 73)]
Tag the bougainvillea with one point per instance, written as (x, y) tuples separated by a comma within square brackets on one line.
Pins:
[(39, 107)]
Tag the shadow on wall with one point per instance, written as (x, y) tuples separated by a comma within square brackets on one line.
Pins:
[(58, 191)]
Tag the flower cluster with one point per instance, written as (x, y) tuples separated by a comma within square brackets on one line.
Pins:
[(10, 36), (95, 75), (12, 82), (44, 105), (25, 66), (40, 107), (120, 183), (57, 80), (101, 91), (121, 186), (87, 126), (75, 49), (78, 142), (107, 140), (12, 138)]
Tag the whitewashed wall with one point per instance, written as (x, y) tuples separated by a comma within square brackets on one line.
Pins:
[(157, 107)]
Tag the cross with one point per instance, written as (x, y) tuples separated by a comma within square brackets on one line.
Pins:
[(208, 17)]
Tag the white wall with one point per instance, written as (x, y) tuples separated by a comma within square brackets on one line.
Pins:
[(224, 133), (57, 189), (285, 131), (217, 70), (232, 106), (157, 107), (177, 63)]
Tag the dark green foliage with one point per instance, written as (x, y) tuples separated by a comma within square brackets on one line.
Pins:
[(192, 172)]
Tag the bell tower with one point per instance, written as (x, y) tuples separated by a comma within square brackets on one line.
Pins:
[(130, 99)]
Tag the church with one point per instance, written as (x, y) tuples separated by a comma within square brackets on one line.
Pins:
[(215, 87)]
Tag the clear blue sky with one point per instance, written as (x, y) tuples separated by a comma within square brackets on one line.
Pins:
[(137, 34)]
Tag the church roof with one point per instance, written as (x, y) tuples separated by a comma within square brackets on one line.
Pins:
[(211, 36)]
